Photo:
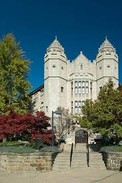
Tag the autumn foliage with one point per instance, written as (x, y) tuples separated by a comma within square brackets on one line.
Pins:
[(14, 124)]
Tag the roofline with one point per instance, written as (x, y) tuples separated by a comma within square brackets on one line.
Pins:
[(36, 90)]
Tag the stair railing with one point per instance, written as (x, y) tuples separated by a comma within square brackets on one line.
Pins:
[(71, 153), (87, 151), (87, 155)]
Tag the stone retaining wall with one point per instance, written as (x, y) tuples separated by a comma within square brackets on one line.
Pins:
[(113, 160), (26, 162)]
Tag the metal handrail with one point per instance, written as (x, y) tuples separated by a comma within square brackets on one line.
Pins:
[(71, 153), (87, 152)]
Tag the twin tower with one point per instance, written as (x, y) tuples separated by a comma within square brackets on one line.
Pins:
[(69, 83)]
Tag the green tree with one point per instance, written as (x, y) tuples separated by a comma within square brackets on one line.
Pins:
[(105, 114), (14, 69)]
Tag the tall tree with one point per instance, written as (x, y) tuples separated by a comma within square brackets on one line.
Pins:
[(14, 69), (105, 114)]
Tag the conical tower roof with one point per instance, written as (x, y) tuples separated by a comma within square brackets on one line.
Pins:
[(106, 46), (56, 44)]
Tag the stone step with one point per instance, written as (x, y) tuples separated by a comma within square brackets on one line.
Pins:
[(84, 168), (79, 160), (77, 148)]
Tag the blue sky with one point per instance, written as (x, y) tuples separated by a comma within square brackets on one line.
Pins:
[(80, 25)]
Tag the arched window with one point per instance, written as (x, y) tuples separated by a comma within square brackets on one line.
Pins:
[(81, 67)]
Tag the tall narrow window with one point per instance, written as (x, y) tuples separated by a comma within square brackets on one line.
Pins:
[(79, 90), (91, 88), (83, 83), (81, 67), (76, 90), (87, 83), (79, 104), (76, 103), (76, 110), (76, 83), (83, 89), (72, 107), (79, 83), (87, 90), (71, 88), (83, 103), (62, 89), (46, 108)]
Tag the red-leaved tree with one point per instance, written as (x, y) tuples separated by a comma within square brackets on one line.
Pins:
[(14, 124)]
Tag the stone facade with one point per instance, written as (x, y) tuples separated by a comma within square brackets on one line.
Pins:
[(26, 162), (69, 83), (113, 160)]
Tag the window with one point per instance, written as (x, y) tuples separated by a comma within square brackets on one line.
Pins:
[(79, 104), (79, 90), (53, 66), (76, 83), (62, 89), (108, 66), (76, 110), (71, 88), (83, 83), (87, 90), (53, 53), (76, 104), (81, 67), (90, 84), (76, 90), (83, 89), (83, 103), (62, 67), (87, 83), (46, 108), (71, 106), (79, 84)]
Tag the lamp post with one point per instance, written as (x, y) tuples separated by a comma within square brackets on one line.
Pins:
[(54, 112)]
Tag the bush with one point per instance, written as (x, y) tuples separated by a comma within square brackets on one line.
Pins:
[(12, 143), (13, 149), (111, 149), (53, 149), (61, 141)]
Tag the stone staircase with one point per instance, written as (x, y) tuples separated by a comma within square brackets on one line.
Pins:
[(79, 159)]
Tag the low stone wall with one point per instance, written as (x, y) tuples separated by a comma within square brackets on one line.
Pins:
[(26, 162), (113, 160)]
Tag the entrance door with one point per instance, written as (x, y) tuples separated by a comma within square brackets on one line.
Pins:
[(81, 136)]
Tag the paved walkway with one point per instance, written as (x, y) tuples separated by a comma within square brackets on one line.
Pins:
[(72, 176)]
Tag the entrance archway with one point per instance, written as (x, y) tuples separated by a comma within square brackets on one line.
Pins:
[(81, 136)]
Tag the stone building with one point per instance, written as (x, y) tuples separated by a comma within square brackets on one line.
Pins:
[(69, 83)]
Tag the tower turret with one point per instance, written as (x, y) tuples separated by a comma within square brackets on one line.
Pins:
[(55, 78), (106, 64)]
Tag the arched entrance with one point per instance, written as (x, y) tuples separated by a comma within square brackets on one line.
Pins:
[(81, 136)]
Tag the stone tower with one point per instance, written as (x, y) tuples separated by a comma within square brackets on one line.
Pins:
[(106, 65), (55, 77)]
